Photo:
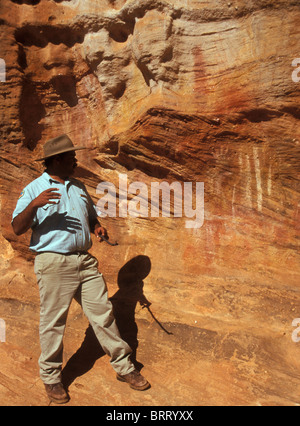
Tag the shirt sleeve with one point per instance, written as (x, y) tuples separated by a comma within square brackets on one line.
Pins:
[(92, 211), (24, 200)]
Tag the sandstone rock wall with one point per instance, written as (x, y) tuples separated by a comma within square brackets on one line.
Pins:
[(168, 91)]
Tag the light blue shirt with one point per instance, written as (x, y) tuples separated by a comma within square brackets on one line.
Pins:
[(63, 227)]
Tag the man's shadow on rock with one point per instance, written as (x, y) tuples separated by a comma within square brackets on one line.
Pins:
[(84, 359), (124, 301)]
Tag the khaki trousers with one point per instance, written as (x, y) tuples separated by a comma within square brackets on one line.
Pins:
[(62, 278)]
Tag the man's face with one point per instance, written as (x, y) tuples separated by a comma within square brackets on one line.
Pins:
[(67, 163)]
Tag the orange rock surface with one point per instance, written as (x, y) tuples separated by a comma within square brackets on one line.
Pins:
[(162, 91)]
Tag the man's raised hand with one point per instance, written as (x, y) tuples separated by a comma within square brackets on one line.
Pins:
[(46, 196)]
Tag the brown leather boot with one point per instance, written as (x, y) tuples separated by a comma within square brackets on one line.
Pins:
[(56, 393), (135, 380)]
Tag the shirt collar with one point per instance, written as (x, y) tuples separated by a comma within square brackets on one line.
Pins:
[(51, 181)]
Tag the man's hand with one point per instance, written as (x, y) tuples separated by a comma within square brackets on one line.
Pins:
[(101, 234), (45, 197), (99, 230)]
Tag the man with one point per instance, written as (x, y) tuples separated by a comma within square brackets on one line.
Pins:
[(62, 216)]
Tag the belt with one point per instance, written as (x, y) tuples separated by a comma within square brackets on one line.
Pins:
[(77, 252)]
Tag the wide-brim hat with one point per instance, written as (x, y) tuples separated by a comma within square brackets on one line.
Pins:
[(59, 145)]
